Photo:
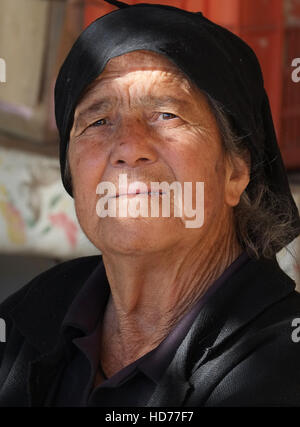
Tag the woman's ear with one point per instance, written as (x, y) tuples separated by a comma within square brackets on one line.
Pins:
[(237, 177)]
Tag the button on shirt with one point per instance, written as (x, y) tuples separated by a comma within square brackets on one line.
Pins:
[(133, 385)]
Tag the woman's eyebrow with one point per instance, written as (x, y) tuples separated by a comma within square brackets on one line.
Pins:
[(98, 106), (163, 101)]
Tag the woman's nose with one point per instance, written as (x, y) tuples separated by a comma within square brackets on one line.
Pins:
[(133, 145)]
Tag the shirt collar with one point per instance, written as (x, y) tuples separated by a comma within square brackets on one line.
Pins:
[(157, 361), (90, 302), (87, 309)]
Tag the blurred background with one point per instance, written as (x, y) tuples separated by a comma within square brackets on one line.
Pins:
[(38, 226)]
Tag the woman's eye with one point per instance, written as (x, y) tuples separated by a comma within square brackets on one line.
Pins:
[(168, 116), (100, 122)]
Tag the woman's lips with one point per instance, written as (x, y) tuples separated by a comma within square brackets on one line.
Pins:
[(138, 193)]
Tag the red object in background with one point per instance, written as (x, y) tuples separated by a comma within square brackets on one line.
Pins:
[(95, 9), (275, 38), (260, 24), (290, 133)]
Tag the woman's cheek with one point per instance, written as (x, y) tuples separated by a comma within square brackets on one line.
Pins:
[(87, 166), (85, 143)]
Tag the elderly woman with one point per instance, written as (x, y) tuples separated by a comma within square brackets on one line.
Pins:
[(169, 315)]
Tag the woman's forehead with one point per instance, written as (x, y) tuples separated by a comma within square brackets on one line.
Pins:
[(136, 61)]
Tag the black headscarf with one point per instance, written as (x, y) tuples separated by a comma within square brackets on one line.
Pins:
[(215, 59)]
